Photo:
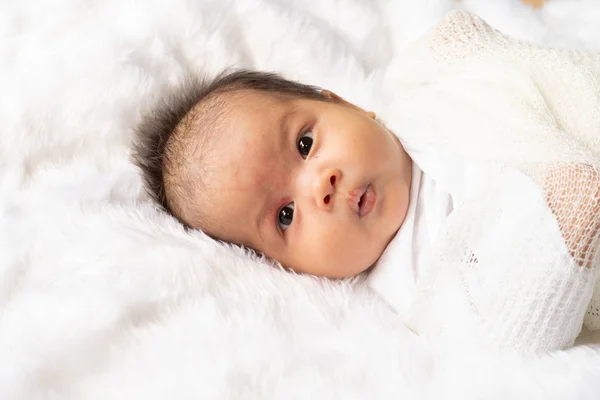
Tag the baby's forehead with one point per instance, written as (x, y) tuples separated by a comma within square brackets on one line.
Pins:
[(244, 114), (249, 142), (240, 101)]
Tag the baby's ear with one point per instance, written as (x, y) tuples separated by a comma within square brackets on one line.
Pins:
[(339, 100)]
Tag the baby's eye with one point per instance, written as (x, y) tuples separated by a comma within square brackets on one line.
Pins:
[(305, 143), (285, 216)]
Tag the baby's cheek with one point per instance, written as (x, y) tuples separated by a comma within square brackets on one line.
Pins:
[(345, 253)]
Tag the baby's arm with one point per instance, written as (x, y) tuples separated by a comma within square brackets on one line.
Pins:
[(573, 194)]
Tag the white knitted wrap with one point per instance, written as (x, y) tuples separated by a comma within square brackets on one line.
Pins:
[(515, 264)]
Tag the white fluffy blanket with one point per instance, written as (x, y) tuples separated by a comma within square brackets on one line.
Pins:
[(103, 297)]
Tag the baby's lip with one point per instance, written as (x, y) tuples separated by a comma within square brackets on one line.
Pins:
[(369, 200), (354, 198), (362, 200)]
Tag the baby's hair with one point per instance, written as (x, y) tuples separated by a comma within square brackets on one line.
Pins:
[(182, 126)]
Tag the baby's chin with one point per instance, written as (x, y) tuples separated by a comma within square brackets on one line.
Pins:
[(353, 269), (352, 262), (350, 270), (379, 254)]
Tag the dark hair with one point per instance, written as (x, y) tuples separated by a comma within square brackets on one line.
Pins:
[(154, 135)]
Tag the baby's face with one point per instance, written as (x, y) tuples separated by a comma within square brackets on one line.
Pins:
[(320, 187)]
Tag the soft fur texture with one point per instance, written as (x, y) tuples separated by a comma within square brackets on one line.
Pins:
[(102, 296)]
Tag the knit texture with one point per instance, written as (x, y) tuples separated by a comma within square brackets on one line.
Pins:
[(515, 265)]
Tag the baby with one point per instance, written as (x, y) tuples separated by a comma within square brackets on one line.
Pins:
[(491, 193), (291, 171)]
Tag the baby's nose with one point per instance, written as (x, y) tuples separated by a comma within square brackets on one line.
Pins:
[(325, 188)]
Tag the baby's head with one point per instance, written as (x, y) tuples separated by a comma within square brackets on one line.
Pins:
[(291, 171)]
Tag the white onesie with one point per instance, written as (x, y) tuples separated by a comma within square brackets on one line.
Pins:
[(398, 269)]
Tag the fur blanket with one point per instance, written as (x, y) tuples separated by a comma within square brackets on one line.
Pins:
[(103, 297)]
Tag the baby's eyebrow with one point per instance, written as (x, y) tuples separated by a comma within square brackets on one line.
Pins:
[(260, 216), (284, 127), (285, 124)]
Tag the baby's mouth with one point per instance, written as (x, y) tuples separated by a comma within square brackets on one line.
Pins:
[(363, 200)]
